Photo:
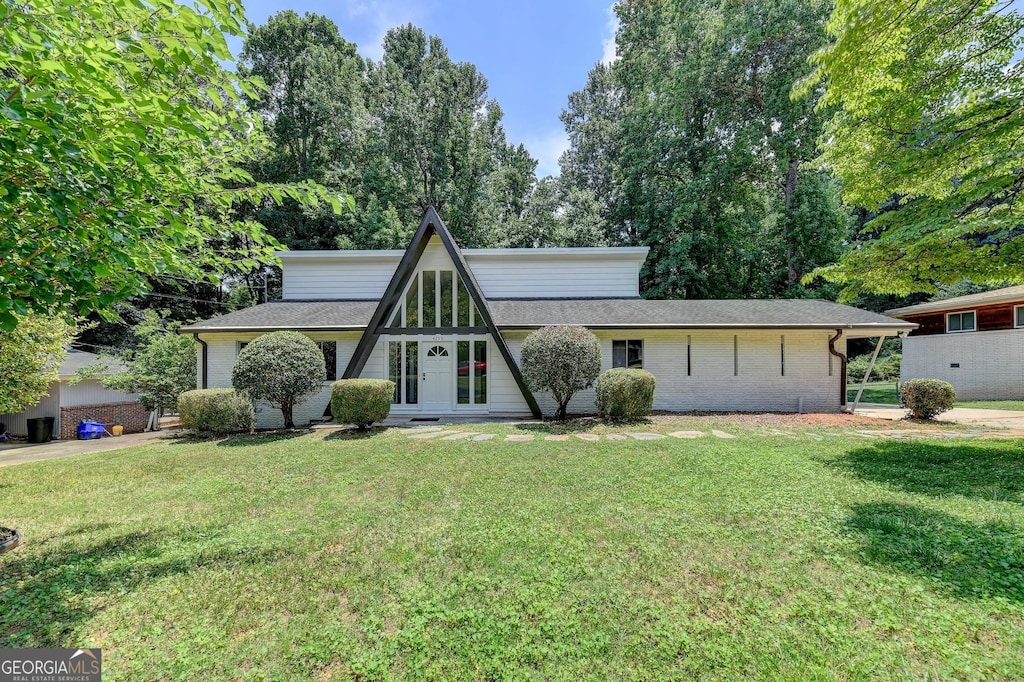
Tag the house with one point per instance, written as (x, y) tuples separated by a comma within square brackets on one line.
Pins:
[(446, 325), (974, 342), (71, 400)]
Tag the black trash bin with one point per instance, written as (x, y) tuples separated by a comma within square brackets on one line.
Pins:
[(40, 430)]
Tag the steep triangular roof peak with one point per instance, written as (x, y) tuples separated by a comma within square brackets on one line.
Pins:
[(432, 225)]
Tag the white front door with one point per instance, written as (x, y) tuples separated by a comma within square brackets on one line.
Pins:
[(437, 376)]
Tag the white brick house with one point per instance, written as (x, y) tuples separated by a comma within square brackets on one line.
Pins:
[(447, 324)]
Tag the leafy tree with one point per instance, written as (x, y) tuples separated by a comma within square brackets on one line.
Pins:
[(929, 105), (160, 368), (30, 356), (121, 146), (561, 360), (281, 368)]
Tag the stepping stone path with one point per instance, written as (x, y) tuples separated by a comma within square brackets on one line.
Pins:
[(645, 436), (458, 435), (721, 434), (558, 437), (616, 436), (519, 437), (430, 434), (588, 436), (483, 436), (687, 434)]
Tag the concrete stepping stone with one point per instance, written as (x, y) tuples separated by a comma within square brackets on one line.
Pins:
[(588, 436), (431, 434), (558, 437), (458, 435), (616, 436), (721, 434), (645, 436), (687, 434), (519, 437), (484, 436)]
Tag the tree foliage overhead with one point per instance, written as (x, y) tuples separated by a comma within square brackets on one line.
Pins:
[(30, 357), (929, 108), (121, 146), (693, 143)]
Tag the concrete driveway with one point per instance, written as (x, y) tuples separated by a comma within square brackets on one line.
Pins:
[(1004, 419), (19, 453)]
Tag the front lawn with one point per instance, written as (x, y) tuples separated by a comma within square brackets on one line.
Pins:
[(811, 553)]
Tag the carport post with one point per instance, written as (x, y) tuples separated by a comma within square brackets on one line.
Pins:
[(871, 366)]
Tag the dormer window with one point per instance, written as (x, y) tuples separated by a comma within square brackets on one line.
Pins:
[(961, 322)]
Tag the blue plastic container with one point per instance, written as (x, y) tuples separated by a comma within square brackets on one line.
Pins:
[(89, 429)]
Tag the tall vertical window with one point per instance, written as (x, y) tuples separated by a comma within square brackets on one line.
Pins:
[(465, 374), (463, 305), (330, 351), (429, 299), (782, 354), (395, 370), (628, 353), (412, 304), (480, 372), (689, 355), (412, 372), (446, 309)]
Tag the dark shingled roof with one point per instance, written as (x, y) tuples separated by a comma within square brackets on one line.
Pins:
[(604, 312)]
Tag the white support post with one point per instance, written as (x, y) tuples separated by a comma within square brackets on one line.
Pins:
[(867, 374)]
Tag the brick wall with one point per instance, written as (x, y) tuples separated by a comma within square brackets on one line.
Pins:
[(132, 416)]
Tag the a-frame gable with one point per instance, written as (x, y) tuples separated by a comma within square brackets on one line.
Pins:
[(429, 226)]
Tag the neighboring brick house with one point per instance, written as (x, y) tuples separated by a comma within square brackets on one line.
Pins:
[(69, 401), (974, 342)]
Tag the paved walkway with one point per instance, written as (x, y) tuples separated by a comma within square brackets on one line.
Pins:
[(970, 416), (19, 453)]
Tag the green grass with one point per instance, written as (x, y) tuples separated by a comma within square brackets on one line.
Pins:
[(319, 556), (884, 393)]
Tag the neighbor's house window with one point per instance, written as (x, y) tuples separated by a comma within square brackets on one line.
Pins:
[(1018, 316), (960, 322), (628, 353)]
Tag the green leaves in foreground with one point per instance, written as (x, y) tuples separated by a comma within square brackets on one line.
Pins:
[(122, 141)]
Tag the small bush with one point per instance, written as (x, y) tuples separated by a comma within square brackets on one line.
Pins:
[(624, 393), (361, 401), (925, 398), (216, 410)]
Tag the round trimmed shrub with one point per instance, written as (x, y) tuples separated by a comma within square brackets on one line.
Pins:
[(926, 398), (216, 410), (561, 360), (624, 393), (361, 401), (281, 368)]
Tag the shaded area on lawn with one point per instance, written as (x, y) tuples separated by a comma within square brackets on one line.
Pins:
[(53, 588), (581, 425), (991, 471), (969, 560)]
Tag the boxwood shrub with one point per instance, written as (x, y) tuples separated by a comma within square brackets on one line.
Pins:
[(216, 410), (361, 401), (624, 393), (926, 398)]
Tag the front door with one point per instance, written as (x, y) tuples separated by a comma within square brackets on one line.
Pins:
[(437, 377)]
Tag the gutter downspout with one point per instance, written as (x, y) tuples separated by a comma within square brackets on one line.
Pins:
[(842, 362), (204, 362)]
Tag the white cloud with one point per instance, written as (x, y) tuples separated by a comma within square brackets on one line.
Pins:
[(546, 148), (379, 17), (610, 53)]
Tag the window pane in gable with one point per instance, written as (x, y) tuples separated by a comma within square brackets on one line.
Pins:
[(463, 320), (447, 299), (412, 304), (429, 304)]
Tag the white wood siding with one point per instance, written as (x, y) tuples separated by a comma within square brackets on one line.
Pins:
[(712, 384), (223, 350), (991, 363), (92, 392), (49, 406), (520, 273)]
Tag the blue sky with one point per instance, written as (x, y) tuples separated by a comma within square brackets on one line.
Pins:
[(533, 52)]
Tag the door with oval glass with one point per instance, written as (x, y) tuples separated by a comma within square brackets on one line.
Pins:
[(437, 377)]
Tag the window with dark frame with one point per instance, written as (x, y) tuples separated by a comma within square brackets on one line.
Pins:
[(330, 351), (628, 353), (1018, 316)]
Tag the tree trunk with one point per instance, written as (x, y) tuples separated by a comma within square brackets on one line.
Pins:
[(562, 406), (286, 410), (790, 189)]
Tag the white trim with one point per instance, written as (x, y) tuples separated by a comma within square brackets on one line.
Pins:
[(961, 330)]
